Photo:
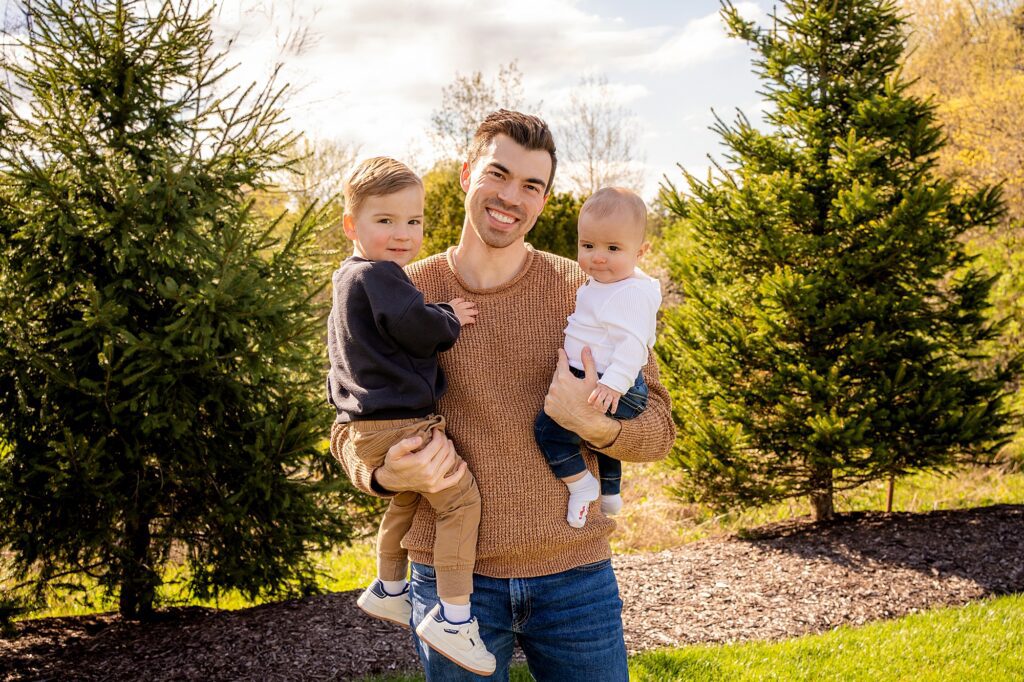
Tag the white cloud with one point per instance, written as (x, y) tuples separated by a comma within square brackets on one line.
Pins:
[(698, 42)]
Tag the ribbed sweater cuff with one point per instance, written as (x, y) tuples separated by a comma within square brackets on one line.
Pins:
[(631, 439)]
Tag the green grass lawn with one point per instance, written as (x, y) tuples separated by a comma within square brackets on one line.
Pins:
[(982, 641), (979, 642)]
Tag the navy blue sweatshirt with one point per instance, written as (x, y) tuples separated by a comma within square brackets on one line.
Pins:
[(383, 342)]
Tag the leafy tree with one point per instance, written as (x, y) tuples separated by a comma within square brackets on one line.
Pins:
[(599, 139), (466, 101), (831, 328), (160, 364), (969, 58), (444, 206)]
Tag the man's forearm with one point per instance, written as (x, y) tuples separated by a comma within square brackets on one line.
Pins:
[(601, 433)]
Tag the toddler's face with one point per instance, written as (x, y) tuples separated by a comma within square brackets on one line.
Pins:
[(389, 226), (609, 246)]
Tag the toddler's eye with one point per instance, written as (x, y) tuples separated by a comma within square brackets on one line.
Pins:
[(613, 248), (385, 221)]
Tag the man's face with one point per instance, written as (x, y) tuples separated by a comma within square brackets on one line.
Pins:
[(505, 191)]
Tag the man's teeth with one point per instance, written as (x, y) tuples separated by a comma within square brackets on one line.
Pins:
[(502, 218)]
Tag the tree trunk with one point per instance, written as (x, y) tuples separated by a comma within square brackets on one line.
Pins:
[(138, 579), (821, 494), (888, 498)]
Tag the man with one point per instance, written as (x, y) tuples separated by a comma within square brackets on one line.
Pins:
[(537, 580)]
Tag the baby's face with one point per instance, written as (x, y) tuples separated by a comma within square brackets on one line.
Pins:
[(609, 246)]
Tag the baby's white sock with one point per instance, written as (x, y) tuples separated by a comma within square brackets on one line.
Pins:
[(581, 494), (454, 613), (611, 504), (393, 587)]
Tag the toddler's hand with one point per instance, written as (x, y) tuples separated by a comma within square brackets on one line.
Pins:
[(464, 310), (605, 398)]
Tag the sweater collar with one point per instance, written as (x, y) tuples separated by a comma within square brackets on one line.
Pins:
[(518, 277)]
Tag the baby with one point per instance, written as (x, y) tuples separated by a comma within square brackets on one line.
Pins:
[(384, 382), (615, 315)]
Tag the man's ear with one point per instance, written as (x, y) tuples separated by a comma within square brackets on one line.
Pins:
[(348, 224), (464, 176)]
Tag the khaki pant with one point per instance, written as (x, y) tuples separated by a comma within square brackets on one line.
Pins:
[(457, 509)]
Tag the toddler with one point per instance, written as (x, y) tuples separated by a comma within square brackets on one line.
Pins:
[(616, 310), (384, 382)]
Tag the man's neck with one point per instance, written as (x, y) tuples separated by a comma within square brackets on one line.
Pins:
[(483, 267)]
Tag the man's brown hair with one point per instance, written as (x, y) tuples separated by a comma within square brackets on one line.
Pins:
[(376, 177), (525, 130)]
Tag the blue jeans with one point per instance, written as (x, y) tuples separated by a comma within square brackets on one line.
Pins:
[(568, 624), (561, 447)]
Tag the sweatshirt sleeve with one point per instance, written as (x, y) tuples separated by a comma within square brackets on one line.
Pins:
[(628, 317), (421, 329)]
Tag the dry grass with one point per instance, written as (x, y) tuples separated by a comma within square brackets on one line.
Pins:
[(653, 520)]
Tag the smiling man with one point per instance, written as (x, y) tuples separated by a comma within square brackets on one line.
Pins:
[(537, 580)]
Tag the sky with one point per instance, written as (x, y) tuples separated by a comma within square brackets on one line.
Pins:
[(372, 71)]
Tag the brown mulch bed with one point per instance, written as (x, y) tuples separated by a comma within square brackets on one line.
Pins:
[(787, 579)]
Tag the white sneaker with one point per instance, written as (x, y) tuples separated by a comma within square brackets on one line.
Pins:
[(379, 604), (458, 642)]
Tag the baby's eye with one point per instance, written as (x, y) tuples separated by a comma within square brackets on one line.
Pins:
[(415, 221), (385, 221), (613, 248), (586, 246)]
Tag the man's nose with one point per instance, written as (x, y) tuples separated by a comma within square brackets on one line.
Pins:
[(509, 193)]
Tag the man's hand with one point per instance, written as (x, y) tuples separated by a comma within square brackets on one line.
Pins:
[(465, 310), (567, 402), (605, 398), (425, 470)]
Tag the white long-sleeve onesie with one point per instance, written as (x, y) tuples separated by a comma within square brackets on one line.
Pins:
[(617, 321)]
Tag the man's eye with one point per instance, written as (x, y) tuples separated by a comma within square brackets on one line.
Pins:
[(497, 174), (533, 188)]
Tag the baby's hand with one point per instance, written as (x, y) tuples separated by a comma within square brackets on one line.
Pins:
[(464, 310), (604, 398)]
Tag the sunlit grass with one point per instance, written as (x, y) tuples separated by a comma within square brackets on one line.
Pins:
[(344, 569)]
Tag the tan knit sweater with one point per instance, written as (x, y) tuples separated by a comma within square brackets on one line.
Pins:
[(498, 374)]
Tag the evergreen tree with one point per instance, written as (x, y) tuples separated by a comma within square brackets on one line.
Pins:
[(160, 360), (831, 324)]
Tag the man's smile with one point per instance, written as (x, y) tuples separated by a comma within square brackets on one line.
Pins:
[(502, 217)]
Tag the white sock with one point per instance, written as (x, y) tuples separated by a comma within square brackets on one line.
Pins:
[(393, 587), (454, 613), (611, 504), (581, 494)]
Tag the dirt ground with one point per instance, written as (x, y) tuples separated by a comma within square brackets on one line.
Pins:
[(784, 580)]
